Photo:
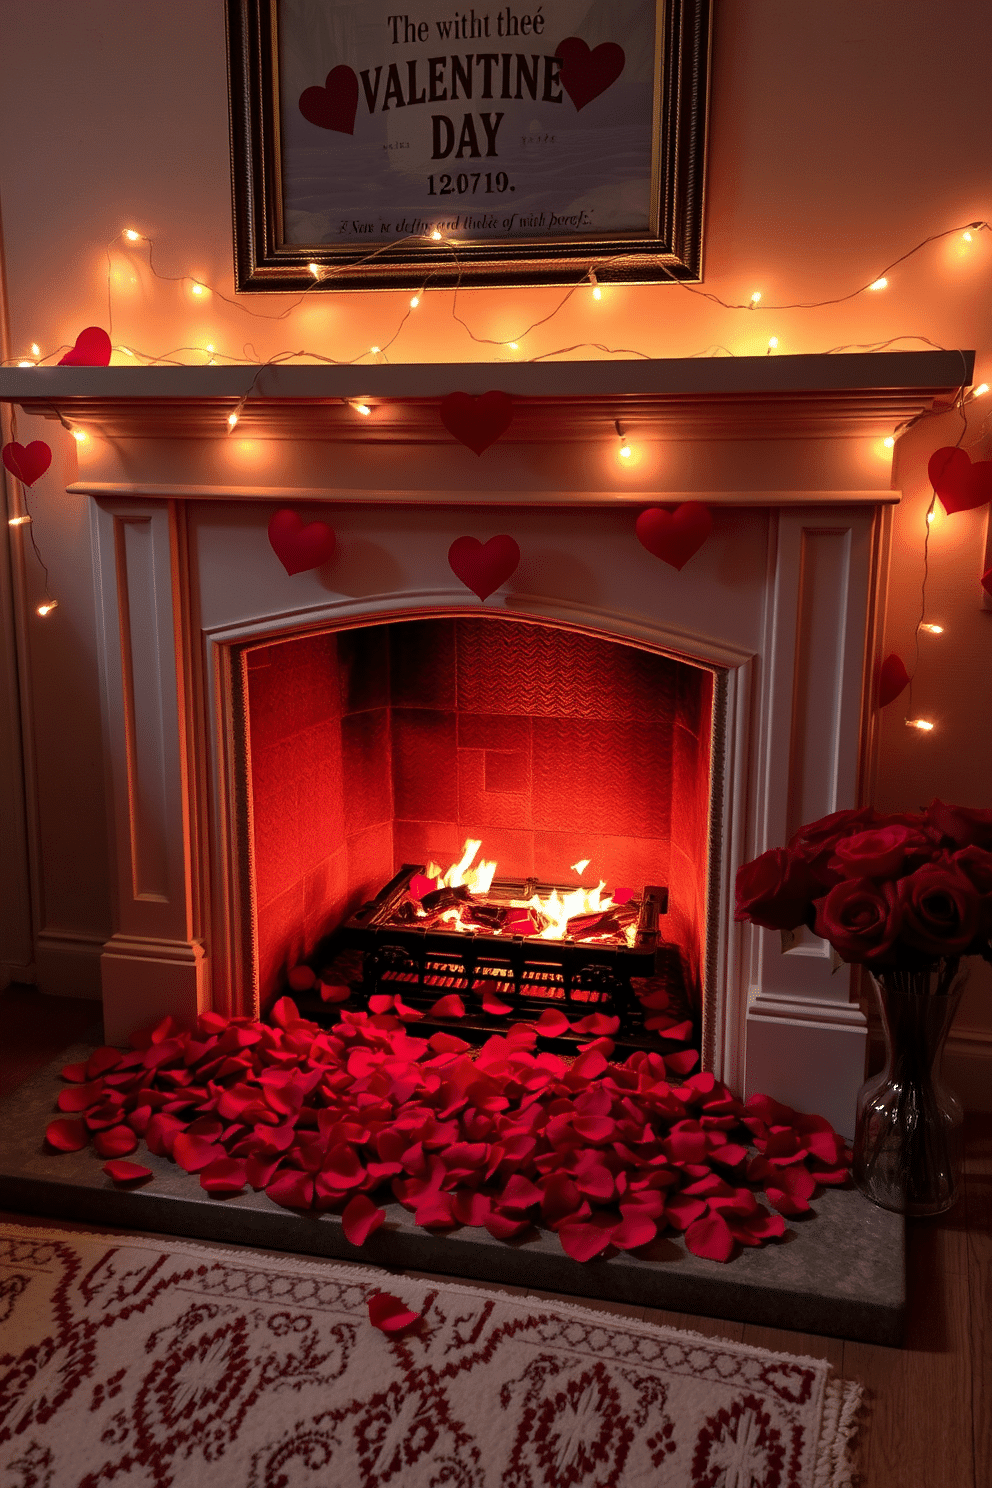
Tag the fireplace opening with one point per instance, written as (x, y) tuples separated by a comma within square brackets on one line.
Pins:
[(386, 763)]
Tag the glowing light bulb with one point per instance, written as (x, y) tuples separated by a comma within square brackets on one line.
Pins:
[(35, 349), (232, 419), (210, 347), (625, 451), (773, 343), (889, 442), (933, 629), (362, 408), (980, 391), (513, 345), (198, 289), (315, 270), (756, 297), (79, 436), (25, 364), (597, 293), (931, 517), (879, 284), (967, 237), (435, 236), (374, 350), (19, 521), (923, 724), (414, 302), (47, 608), (131, 235)]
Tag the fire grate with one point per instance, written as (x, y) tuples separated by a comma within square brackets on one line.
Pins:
[(500, 976)]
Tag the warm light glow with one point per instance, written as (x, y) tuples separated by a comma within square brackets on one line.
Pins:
[(581, 865), (513, 345), (933, 629), (131, 235), (773, 343), (362, 408), (35, 349), (756, 297), (232, 419), (414, 302), (931, 516), (923, 724), (25, 364), (597, 293), (48, 606), (18, 521), (625, 451), (79, 436), (889, 442), (126, 350), (315, 270), (980, 391), (879, 284), (967, 237), (374, 350), (435, 236), (199, 289), (211, 349)]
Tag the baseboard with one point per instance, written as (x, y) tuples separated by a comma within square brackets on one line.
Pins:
[(67, 963), (967, 1067)]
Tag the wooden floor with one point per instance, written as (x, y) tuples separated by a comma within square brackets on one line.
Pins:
[(928, 1419)]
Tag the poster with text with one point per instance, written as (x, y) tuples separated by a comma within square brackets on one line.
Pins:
[(511, 122)]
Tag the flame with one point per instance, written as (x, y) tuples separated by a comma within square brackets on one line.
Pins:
[(551, 913)]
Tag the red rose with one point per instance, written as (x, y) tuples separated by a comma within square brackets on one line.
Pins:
[(828, 830), (775, 891), (861, 920), (940, 908), (965, 826), (881, 852)]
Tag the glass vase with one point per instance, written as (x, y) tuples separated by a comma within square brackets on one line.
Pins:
[(908, 1134)]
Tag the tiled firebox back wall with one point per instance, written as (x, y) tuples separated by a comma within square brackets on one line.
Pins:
[(393, 744)]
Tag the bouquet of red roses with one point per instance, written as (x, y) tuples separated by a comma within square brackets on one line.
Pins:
[(901, 891)]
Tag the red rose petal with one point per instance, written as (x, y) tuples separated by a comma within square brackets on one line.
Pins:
[(80, 1097), (334, 991), (447, 1043), (493, 1005), (390, 1315), (504, 1226), (682, 1212), (302, 978), (226, 1176), (595, 1128), (74, 1072), (67, 1135), (552, 1022), (360, 1218), (598, 1023), (447, 1007), (634, 1229), (683, 1062), (520, 1193), (470, 1207), (588, 1237), (710, 1238), (102, 1060), (117, 1141), (291, 1189), (125, 1172), (196, 1153)]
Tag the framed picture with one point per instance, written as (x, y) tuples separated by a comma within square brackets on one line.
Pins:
[(470, 145)]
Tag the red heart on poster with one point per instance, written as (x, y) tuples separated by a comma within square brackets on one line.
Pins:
[(892, 679), (299, 548), (960, 485), (92, 349), (27, 461), (674, 536), (482, 567), (335, 105), (586, 74), (477, 421)]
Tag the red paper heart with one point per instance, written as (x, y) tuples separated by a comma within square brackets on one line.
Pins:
[(674, 536), (960, 485), (892, 678), (335, 105), (300, 548), (92, 349), (27, 461), (586, 74), (482, 567), (477, 421)]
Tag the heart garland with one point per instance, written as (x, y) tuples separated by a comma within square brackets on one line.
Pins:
[(92, 349), (960, 485), (477, 421), (893, 678), (300, 548), (26, 462), (586, 74), (482, 567), (335, 105), (674, 536)]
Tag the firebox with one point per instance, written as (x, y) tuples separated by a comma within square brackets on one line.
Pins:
[(565, 760)]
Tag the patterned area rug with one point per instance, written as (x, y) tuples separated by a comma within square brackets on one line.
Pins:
[(142, 1362)]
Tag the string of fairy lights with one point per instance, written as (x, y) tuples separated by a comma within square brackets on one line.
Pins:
[(588, 282)]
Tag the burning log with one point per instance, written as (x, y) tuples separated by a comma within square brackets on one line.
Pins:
[(611, 922)]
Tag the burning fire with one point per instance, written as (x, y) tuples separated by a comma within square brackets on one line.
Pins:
[(544, 919)]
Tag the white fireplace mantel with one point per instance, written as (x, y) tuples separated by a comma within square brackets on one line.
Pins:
[(780, 604)]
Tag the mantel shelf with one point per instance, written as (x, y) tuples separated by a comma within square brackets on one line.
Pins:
[(769, 397)]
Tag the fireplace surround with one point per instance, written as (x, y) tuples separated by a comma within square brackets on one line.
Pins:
[(768, 637)]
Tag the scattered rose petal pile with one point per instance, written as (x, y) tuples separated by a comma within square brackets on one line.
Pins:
[(506, 1136)]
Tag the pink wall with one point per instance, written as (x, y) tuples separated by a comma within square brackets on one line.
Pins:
[(840, 136)]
